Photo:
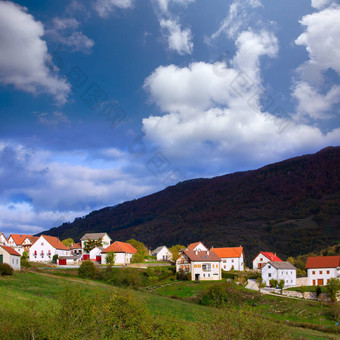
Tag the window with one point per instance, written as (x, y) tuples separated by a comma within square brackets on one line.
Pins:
[(232, 261), (269, 275), (261, 259), (224, 261), (224, 267), (269, 266), (206, 267), (42, 243), (327, 271), (320, 272), (313, 272)]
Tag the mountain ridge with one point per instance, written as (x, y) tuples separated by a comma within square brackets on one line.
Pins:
[(246, 208)]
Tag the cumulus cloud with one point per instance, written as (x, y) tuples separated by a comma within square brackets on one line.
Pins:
[(24, 57), (178, 40), (217, 116), (29, 176), (320, 3), (63, 31), (320, 39), (105, 7)]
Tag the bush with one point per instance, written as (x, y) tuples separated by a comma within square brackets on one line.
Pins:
[(273, 283), (153, 280), (215, 296), (6, 269), (87, 270), (318, 291), (55, 258), (183, 276), (129, 277)]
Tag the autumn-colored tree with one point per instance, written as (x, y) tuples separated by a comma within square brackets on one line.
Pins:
[(142, 251), (91, 244), (68, 242), (175, 251)]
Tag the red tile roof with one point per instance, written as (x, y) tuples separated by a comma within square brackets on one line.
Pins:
[(10, 250), (33, 239), (270, 256), (323, 262), (202, 256), (192, 246), (120, 247), (54, 242), (19, 238), (76, 246), (228, 252)]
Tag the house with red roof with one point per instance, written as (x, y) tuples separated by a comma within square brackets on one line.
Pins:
[(123, 252), (10, 256), (201, 265), (320, 269), (197, 246), (20, 242), (264, 257), (232, 258), (3, 239), (46, 247)]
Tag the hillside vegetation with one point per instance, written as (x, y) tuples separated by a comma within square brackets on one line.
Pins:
[(291, 207)]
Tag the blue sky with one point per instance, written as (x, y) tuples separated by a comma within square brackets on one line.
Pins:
[(103, 101)]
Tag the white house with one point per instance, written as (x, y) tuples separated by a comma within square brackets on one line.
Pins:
[(231, 258), (123, 253), (202, 265), (10, 256), (279, 270), (76, 249), (46, 247), (3, 239), (20, 242), (197, 246), (162, 253), (320, 269), (104, 237), (95, 254), (264, 257)]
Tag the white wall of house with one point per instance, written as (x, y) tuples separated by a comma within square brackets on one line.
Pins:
[(320, 276), (105, 242), (164, 254), (12, 260), (260, 259), (206, 271), (94, 253), (121, 259), (230, 262), (42, 251), (201, 247), (269, 272), (3, 240)]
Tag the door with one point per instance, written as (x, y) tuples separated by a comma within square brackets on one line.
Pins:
[(86, 257), (313, 282), (320, 282), (62, 262), (197, 277), (98, 258), (1, 258)]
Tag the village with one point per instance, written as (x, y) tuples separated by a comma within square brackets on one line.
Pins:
[(196, 261)]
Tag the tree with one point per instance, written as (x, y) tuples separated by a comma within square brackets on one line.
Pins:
[(24, 260), (291, 260), (273, 283), (110, 258), (281, 284), (333, 287), (87, 270), (260, 283), (317, 291), (142, 251), (175, 251), (55, 258), (91, 244), (68, 242)]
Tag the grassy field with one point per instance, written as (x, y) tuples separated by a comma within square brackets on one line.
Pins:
[(40, 291)]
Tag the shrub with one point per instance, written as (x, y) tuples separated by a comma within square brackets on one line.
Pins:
[(5, 269), (333, 287), (129, 277), (183, 276), (215, 296), (273, 283), (87, 270), (318, 291), (153, 279), (55, 258)]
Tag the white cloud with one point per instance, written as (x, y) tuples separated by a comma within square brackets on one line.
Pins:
[(178, 40), (24, 57), (105, 7), (238, 18), (320, 3), (54, 119), (216, 118), (63, 32), (321, 41), (314, 104), (164, 4)]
